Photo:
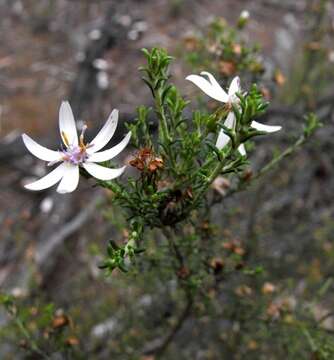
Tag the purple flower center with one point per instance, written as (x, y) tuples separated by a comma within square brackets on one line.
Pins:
[(75, 155)]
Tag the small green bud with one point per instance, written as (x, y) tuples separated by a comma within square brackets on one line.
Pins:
[(243, 19)]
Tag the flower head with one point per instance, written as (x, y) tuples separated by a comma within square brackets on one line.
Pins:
[(76, 153), (212, 88)]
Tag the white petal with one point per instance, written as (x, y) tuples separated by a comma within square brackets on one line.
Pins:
[(230, 120), (48, 180), (70, 179), (40, 151), (224, 139), (105, 134), (110, 153), (215, 83), (265, 128), (242, 150), (234, 87), (208, 88), (101, 172), (67, 123)]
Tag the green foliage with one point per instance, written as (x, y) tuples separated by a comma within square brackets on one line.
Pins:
[(38, 329), (223, 49), (312, 124), (312, 71), (176, 168)]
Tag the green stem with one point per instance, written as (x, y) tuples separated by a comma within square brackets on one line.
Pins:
[(290, 150), (32, 343), (163, 121), (220, 167), (164, 128)]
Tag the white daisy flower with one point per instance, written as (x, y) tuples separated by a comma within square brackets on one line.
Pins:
[(77, 153), (212, 88)]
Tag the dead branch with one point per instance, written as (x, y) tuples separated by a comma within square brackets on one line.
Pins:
[(85, 88), (45, 251), (159, 345)]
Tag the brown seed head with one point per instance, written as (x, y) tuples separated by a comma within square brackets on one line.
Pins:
[(60, 321)]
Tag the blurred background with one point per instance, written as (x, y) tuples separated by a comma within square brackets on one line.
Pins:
[(88, 52)]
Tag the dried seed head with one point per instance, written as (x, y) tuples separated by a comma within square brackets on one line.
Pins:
[(60, 321), (155, 164), (137, 163)]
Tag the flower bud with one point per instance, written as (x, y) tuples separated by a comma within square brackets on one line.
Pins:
[(243, 19)]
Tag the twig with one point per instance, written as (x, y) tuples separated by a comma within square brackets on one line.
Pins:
[(325, 317), (290, 150), (173, 247), (34, 347), (286, 7), (85, 88), (47, 248), (158, 346)]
